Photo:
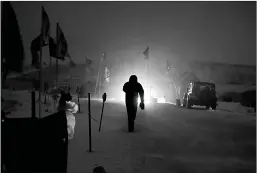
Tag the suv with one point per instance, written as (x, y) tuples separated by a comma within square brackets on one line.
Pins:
[(200, 93)]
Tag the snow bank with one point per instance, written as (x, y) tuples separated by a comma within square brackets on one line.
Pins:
[(18, 103), (167, 138), (234, 107)]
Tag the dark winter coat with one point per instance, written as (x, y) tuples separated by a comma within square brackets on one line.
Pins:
[(132, 88)]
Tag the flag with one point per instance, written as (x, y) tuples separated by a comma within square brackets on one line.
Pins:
[(41, 40), (11, 41), (103, 56), (45, 27), (58, 48), (168, 66), (62, 47), (88, 61), (107, 74), (61, 43), (146, 53), (34, 49), (72, 63)]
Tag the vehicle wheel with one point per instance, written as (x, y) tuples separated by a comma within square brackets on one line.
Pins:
[(208, 107), (213, 107), (188, 104)]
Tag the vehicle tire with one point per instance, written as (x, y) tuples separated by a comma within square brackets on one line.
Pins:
[(207, 107), (188, 105), (213, 107)]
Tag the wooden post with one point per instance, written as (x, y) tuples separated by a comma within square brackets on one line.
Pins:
[(89, 123), (104, 99), (99, 129)]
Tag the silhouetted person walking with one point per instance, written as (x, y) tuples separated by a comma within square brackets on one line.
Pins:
[(132, 88)]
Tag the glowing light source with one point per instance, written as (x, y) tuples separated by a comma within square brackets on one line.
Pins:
[(153, 93), (161, 100), (147, 100)]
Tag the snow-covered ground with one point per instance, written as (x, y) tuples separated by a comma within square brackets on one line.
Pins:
[(167, 138), (235, 108)]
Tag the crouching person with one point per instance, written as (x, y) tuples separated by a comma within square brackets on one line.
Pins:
[(70, 108)]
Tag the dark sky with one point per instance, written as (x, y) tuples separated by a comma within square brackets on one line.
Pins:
[(204, 31)]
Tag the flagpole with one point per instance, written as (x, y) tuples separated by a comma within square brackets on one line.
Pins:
[(100, 83), (101, 77), (50, 61), (56, 70), (98, 77), (147, 64), (56, 61), (40, 64)]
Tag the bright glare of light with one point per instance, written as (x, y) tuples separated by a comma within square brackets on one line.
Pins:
[(147, 100), (148, 97), (120, 96), (153, 93), (161, 100)]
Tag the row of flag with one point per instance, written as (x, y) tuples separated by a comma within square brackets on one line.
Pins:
[(88, 62), (58, 48), (146, 56)]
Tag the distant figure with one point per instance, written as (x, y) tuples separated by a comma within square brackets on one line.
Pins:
[(132, 89), (70, 108)]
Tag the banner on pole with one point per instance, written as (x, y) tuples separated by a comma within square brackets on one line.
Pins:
[(41, 40), (168, 66), (107, 74), (146, 53)]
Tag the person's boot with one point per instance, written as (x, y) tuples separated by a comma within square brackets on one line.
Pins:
[(130, 125)]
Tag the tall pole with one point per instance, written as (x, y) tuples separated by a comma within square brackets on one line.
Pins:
[(56, 70), (97, 78), (147, 64), (50, 63), (100, 84), (57, 53), (97, 81), (89, 123), (40, 65)]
